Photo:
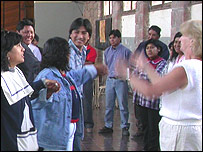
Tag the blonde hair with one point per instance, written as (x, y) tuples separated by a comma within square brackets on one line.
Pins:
[(193, 29)]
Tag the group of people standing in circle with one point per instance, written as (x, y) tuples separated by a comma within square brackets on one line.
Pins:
[(46, 104)]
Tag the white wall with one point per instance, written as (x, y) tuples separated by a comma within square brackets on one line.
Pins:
[(53, 18), (196, 12), (128, 31), (162, 19)]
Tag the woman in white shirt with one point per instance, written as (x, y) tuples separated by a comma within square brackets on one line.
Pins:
[(181, 91)]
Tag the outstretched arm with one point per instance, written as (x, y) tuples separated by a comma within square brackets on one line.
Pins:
[(51, 85), (176, 79)]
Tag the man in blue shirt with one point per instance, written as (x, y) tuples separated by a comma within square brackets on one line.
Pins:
[(115, 87)]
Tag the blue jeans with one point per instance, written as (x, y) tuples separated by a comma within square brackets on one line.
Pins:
[(87, 104), (79, 133), (77, 138), (116, 88)]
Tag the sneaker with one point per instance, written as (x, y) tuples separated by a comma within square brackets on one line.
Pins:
[(125, 132), (106, 130)]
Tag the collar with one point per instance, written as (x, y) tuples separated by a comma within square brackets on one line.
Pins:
[(118, 46), (155, 61), (77, 51), (14, 85)]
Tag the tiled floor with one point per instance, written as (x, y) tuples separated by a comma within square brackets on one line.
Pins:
[(111, 142)]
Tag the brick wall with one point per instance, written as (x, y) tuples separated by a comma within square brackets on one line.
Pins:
[(181, 11)]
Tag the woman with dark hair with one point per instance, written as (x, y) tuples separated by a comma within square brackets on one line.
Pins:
[(148, 109), (177, 55), (173, 53), (56, 117), (18, 131)]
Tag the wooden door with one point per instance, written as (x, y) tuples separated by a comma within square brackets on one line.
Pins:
[(14, 11)]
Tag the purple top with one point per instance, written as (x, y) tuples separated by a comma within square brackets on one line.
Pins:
[(111, 55)]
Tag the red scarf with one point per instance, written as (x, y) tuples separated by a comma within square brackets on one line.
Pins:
[(155, 62)]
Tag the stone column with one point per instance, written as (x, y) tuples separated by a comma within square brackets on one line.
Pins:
[(100, 9), (181, 12), (141, 21), (116, 15)]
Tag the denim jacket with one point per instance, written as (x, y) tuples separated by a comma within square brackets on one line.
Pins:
[(52, 116)]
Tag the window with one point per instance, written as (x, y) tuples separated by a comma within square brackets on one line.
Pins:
[(160, 2), (129, 5), (159, 5), (156, 3), (107, 8)]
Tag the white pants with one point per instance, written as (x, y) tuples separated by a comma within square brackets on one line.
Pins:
[(72, 129), (180, 137)]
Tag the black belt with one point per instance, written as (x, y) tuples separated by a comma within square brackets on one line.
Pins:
[(113, 77)]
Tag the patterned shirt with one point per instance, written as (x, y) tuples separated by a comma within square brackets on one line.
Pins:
[(159, 64), (77, 58)]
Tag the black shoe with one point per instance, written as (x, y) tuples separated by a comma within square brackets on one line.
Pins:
[(106, 130), (125, 132)]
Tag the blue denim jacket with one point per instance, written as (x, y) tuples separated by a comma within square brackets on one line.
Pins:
[(53, 116)]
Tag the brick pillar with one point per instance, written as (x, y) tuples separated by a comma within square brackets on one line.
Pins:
[(116, 15), (100, 9), (99, 16), (180, 13), (94, 11), (141, 21)]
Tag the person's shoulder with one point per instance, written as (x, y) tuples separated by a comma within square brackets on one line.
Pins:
[(121, 46), (143, 43), (162, 43), (46, 72), (141, 46), (163, 60), (27, 49), (19, 70), (108, 48), (91, 48), (25, 45)]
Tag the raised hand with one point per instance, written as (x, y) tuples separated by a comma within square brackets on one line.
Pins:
[(101, 69)]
